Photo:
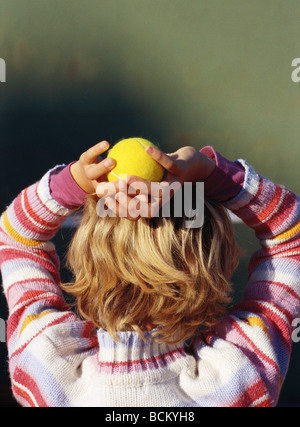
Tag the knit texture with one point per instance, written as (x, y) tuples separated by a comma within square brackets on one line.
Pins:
[(58, 360)]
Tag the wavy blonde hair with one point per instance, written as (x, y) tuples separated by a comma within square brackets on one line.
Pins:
[(152, 273)]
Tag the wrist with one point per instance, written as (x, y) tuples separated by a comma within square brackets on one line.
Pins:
[(65, 190), (227, 179), (207, 166), (80, 179)]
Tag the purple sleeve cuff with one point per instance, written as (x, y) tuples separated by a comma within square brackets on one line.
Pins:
[(65, 190), (227, 179)]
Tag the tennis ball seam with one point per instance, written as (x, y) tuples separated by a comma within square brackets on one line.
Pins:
[(140, 142)]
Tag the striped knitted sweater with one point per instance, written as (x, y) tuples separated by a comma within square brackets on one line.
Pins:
[(58, 360)]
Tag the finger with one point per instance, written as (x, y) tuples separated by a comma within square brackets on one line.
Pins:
[(95, 171), (91, 155), (106, 188), (114, 206), (133, 208), (164, 160), (138, 185), (120, 206)]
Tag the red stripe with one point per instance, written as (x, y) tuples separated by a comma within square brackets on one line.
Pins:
[(279, 220), (259, 307), (254, 392), (271, 206), (88, 332), (283, 329), (285, 209), (34, 215), (20, 211), (45, 207), (258, 219), (41, 257), (256, 349), (156, 360), (278, 251), (18, 391), (32, 292), (57, 299), (26, 221), (23, 378)]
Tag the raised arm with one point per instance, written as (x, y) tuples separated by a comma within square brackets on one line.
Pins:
[(38, 314), (261, 325)]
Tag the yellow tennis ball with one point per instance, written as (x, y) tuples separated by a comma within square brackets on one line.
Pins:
[(132, 159)]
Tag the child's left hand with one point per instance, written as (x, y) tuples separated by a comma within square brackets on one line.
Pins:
[(91, 169)]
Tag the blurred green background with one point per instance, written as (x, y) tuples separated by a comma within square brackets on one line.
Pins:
[(178, 72)]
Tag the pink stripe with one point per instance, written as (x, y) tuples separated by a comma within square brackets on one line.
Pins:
[(37, 280), (251, 291)]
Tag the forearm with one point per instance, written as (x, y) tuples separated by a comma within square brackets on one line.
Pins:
[(26, 230), (271, 210), (34, 216), (30, 267), (261, 324)]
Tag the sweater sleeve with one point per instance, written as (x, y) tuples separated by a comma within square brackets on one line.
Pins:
[(38, 314), (227, 179), (65, 190), (258, 330)]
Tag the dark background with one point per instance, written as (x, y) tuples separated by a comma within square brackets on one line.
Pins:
[(178, 72)]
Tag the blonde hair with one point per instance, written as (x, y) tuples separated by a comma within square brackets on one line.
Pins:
[(152, 273)]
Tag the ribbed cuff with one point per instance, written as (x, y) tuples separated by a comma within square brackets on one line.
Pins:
[(65, 190), (226, 181)]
